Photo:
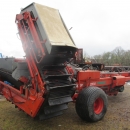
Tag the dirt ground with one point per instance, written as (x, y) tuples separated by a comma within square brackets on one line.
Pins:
[(116, 118)]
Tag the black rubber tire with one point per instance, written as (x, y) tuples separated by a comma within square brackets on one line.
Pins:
[(86, 67), (121, 89), (85, 104)]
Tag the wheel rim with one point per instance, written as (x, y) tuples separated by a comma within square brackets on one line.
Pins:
[(98, 105)]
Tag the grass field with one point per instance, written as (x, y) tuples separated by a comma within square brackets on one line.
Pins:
[(116, 118)]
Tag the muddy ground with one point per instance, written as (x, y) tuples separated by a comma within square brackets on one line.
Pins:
[(116, 118)]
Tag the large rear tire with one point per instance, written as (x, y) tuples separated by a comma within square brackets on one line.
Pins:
[(91, 104)]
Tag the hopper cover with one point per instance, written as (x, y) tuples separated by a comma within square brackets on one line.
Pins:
[(51, 26)]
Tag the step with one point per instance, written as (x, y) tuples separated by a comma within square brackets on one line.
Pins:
[(43, 116), (60, 100), (63, 86), (53, 109), (54, 67), (57, 76)]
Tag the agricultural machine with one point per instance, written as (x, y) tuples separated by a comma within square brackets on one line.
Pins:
[(44, 82), (85, 64)]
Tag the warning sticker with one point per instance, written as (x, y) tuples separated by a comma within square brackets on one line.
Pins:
[(93, 84)]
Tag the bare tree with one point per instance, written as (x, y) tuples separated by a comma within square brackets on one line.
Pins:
[(117, 56)]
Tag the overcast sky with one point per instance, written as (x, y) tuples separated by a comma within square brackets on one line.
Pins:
[(98, 25)]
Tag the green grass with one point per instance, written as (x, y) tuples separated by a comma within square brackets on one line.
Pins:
[(117, 117)]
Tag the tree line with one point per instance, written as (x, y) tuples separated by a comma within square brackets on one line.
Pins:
[(118, 56)]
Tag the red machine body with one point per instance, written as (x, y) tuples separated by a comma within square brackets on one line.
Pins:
[(110, 83)]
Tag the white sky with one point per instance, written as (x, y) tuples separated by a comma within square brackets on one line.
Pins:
[(98, 25)]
